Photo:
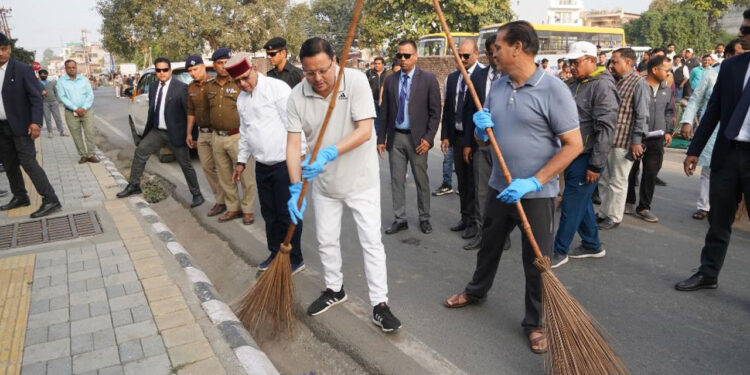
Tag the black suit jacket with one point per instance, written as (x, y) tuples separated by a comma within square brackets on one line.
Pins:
[(175, 112), (479, 79), (22, 97), (724, 99), (450, 116), (424, 108)]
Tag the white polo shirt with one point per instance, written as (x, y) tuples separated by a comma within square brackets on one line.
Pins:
[(356, 170)]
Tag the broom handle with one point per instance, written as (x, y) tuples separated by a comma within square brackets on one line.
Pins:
[(490, 134), (339, 78)]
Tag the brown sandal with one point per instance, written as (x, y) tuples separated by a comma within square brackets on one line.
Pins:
[(458, 300), (537, 342), (700, 215)]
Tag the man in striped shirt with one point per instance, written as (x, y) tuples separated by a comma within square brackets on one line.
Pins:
[(632, 122)]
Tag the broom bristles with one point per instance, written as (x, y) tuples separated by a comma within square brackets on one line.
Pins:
[(271, 298), (576, 341)]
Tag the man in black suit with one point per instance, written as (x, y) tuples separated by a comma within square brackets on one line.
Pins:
[(411, 117), (21, 114), (730, 161), (166, 125), (453, 134)]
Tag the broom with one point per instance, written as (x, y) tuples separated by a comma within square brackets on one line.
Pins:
[(271, 298), (576, 343)]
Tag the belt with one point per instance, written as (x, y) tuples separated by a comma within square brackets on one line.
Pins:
[(740, 145), (403, 131), (205, 130), (227, 133)]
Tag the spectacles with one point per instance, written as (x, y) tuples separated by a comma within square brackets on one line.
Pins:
[(744, 30), (577, 61), (464, 56), (322, 72), (403, 56), (162, 70)]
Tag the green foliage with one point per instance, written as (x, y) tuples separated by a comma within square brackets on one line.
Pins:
[(680, 24), (331, 20), (21, 54), (392, 20), (48, 55)]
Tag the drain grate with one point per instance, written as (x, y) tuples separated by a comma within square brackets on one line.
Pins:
[(49, 230)]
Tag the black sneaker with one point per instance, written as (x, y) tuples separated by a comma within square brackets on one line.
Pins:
[(558, 259), (384, 318), (443, 190), (326, 300), (264, 266), (582, 252)]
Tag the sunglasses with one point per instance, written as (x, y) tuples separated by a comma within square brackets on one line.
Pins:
[(744, 30), (272, 53), (403, 56), (162, 70), (464, 56)]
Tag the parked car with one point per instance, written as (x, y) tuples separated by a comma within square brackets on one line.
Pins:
[(138, 108)]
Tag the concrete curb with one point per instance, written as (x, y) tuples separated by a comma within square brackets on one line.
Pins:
[(247, 351)]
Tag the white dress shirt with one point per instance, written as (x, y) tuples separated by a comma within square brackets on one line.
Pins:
[(744, 135), (488, 85), (165, 89), (263, 122), (470, 71), (3, 69)]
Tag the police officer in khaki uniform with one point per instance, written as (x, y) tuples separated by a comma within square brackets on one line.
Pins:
[(221, 100), (198, 116)]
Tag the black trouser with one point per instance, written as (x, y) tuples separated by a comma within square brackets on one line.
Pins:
[(728, 184), (273, 191), (652, 160), (17, 152), (465, 175), (499, 220), (152, 143)]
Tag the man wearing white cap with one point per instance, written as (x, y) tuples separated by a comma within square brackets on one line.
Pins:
[(594, 91), (263, 122)]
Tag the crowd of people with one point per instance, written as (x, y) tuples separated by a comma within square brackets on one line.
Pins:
[(595, 122)]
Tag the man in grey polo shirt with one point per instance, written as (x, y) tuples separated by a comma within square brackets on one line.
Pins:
[(535, 114), (345, 173)]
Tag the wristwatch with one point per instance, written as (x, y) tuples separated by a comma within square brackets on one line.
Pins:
[(242, 164)]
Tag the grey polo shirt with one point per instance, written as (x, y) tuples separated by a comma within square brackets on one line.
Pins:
[(356, 170), (528, 121)]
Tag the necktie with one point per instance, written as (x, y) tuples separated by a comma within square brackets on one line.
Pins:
[(157, 108), (460, 105), (402, 96), (738, 116), (493, 76)]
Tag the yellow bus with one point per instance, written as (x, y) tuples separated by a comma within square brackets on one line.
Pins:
[(555, 39), (437, 45)]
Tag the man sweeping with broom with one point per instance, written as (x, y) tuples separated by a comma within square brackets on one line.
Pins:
[(531, 113), (345, 173)]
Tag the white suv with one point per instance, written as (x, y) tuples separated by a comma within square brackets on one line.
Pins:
[(138, 109)]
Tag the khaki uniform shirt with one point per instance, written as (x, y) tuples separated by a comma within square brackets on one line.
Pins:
[(196, 105), (221, 102)]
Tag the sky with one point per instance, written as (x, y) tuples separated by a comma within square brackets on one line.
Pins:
[(41, 24)]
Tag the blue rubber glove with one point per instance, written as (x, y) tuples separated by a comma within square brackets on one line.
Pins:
[(482, 121), (294, 212), (518, 188), (325, 156)]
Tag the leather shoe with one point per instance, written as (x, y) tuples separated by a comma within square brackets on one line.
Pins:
[(469, 232), (461, 225), (230, 215), (396, 227), (82, 160), (475, 244), (608, 223), (15, 202), (197, 201), (46, 209), (217, 209), (93, 159), (248, 219), (129, 190), (425, 226), (697, 281)]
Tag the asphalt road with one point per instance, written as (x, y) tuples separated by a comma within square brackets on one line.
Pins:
[(655, 329)]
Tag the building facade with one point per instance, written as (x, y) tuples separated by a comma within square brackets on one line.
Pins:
[(608, 17)]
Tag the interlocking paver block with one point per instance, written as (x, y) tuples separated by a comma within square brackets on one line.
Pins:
[(115, 260), (48, 318), (151, 270), (96, 283), (174, 319), (207, 366), (85, 275), (34, 369), (46, 351), (168, 305), (157, 294), (58, 302), (157, 365), (152, 345), (99, 307), (77, 286), (104, 338), (130, 351), (121, 318), (60, 366), (79, 312), (114, 370), (58, 331), (95, 360), (51, 292), (141, 313), (155, 282), (115, 291), (75, 266), (90, 325), (88, 297), (81, 344), (120, 278), (182, 335), (40, 306), (42, 282), (49, 271), (189, 353), (127, 302), (135, 331), (36, 336), (133, 287)]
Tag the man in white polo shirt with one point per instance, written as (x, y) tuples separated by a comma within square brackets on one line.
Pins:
[(345, 173), (263, 121)]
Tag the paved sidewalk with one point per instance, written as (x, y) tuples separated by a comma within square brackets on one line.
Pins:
[(105, 304)]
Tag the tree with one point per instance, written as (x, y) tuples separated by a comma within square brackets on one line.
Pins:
[(48, 55), (21, 54), (298, 26), (331, 20), (682, 25), (661, 5)]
